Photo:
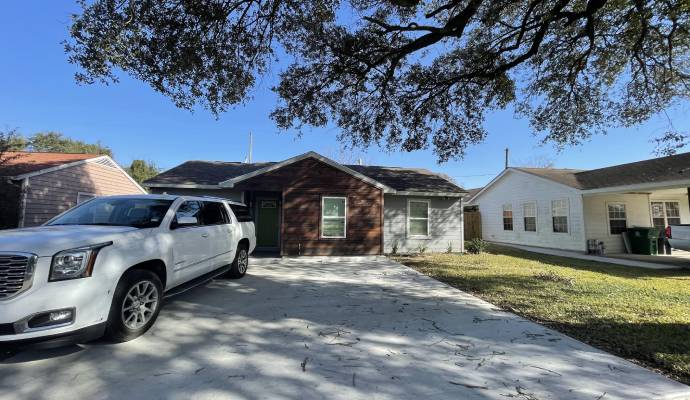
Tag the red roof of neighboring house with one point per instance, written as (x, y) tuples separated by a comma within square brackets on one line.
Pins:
[(21, 162)]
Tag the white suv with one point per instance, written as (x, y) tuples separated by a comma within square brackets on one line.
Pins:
[(104, 266)]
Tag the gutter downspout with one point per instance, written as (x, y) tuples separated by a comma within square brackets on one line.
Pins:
[(22, 202)]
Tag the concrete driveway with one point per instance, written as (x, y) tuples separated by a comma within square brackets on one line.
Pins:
[(333, 329)]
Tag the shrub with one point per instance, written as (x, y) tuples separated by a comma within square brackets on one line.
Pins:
[(421, 249), (449, 249), (394, 250), (476, 246)]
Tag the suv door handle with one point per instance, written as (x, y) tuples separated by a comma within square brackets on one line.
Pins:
[(204, 235)]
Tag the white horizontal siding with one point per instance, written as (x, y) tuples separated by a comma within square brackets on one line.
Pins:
[(516, 188), (638, 210), (445, 225)]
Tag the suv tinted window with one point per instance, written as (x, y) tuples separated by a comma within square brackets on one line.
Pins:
[(214, 213), (188, 209), (241, 213)]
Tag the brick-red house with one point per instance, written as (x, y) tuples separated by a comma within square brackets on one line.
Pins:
[(34, 186), (311, 205)]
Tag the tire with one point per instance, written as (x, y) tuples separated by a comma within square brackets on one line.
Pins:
[(127, 320), (239, 265)]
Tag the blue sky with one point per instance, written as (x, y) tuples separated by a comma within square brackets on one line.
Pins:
[(38, 93)]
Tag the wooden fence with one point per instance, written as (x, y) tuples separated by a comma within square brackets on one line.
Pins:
[(473, 225)]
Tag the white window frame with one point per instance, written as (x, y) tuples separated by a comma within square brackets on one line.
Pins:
[(323, 217), (608, 216), (80, 194), (512, 217), (536, 217), (428, 218), (567, 216), (663, 204)]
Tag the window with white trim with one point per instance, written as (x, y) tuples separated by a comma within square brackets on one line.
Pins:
[(507, 217), (665, 213), (333, 217), (418, 218), (530, 216), (618, 218), (82, 197), (559, 216)]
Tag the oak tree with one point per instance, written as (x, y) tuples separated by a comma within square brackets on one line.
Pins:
[(406, 74)]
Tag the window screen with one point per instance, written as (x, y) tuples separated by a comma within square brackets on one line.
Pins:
[(530, 217), (507, 217), (333, 217), (559, 212), (618, 219)]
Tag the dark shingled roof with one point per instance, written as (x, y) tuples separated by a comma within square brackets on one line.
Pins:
[(205, 172), (656, 170), (408, 179), (215, 172), (561, 175), (474, 191)]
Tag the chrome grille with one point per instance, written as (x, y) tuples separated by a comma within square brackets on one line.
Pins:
[(16, 273)]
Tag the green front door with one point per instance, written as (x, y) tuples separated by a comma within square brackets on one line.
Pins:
[(267, 227)]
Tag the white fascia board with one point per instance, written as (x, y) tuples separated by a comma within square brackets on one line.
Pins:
[(311, 154), (430, 194), (57, 168)]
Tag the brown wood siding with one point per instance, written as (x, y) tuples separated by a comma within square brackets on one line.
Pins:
[(303, 184), (52, 193)]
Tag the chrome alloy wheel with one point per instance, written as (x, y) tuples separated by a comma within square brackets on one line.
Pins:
[(242, 261), (139, 305)]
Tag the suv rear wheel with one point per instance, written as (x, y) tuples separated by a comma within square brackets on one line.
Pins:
[(239, 266), (135, 307)]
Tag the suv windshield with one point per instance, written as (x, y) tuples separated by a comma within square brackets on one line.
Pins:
[(139, 213)]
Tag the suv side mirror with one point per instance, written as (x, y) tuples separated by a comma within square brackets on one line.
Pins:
[(186, 221)]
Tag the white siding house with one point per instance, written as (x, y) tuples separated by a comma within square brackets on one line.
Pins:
[(597, 204), (522, 190)]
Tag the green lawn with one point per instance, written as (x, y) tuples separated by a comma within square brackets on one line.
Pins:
[(636, 313)]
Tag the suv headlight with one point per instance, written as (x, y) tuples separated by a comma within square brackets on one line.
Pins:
[(75, 263)]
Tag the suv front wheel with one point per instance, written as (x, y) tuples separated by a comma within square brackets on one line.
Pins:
[(135, 307)]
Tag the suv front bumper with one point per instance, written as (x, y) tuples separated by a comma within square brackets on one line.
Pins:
[(88, 298)]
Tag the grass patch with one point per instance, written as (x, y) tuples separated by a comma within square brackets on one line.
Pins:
[(640, 314)]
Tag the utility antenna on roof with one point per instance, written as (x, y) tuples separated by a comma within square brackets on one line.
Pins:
[(507, 151), (360, 161), (251, 143)]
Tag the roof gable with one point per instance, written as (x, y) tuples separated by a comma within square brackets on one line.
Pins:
[(274, 166), (214, 174)]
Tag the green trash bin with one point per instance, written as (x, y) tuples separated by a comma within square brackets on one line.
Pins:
[(643, 240)]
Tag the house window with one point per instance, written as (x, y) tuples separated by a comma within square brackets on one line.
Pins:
[(618, 218), (530, 216), (333, 217), (418, 218), (82, 197), (559, 215), (507, 217), (665, 213)]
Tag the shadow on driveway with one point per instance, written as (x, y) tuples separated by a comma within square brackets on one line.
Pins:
[(310, 328)]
